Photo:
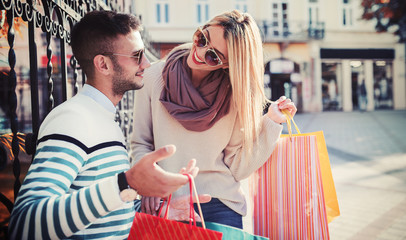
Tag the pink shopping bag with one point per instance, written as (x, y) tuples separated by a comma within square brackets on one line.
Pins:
[(293, 192)]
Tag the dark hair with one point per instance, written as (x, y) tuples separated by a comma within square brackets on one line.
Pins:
[(96, 32)]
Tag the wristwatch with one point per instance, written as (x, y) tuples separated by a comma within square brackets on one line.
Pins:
[(127, 193)]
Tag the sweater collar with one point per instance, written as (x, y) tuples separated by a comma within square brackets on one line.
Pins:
[(99, 97)]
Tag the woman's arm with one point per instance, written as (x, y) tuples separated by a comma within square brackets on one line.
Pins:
[(242, 164), (142, 138)]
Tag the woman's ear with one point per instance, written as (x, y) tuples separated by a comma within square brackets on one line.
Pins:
[(102, 64)]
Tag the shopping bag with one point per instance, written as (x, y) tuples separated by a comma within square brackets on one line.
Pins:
[(146, 226), (293, 192), (232, 232)]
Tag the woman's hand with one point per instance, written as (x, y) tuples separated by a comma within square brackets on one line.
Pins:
[(150, 205), (179, 208), (275, 110)]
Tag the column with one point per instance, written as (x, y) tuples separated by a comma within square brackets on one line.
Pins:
[(318, 102), (347, 91), (369, 84), (399, 78)]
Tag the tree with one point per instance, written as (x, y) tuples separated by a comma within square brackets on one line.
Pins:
[(18, 23), (388, 14)]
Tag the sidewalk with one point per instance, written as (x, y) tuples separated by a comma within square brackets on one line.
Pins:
[(367, 153)]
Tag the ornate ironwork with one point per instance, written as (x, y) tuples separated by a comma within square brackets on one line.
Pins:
[(292, 31), (54, 18)]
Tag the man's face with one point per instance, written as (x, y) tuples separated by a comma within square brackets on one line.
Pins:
[(127, 67)]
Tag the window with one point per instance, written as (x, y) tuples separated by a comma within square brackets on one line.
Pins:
[(347, 13), (313, 12), (162, 12), (202, 11), (331, 86), (279, 21), (241, 5), (383, 84), (316, 27)]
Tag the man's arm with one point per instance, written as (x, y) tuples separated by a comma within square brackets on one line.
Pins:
[(46, 209), (47, 206)]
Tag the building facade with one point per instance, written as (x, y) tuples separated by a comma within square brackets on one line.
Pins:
[(319, 53)]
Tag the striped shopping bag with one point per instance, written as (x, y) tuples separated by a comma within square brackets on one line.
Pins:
[(293, 192)]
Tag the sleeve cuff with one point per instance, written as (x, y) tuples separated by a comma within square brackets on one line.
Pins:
[(110, 193), (270, 124)]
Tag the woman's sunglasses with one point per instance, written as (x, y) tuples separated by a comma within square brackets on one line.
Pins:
[(210, 57)]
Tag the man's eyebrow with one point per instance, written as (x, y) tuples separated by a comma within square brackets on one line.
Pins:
[(208, 36)]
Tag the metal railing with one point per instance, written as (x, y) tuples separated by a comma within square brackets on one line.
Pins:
[(49, 23), (290, 31)]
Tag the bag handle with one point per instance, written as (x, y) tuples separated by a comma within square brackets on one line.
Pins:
[(192, 213), (289, 118), (167, 208), (191, 209)]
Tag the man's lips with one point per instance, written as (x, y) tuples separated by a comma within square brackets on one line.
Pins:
[(139, 74)]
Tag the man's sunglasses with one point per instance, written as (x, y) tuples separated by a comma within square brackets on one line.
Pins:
[(137, 55), (210, 57)]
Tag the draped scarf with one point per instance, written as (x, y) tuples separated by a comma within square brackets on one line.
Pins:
[(197, 109)]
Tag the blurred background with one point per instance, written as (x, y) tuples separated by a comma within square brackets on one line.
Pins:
[(336, 59)]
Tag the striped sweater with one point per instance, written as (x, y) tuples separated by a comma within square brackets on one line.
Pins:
[(71, 191)]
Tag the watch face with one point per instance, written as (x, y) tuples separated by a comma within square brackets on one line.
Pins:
[(128, 195)]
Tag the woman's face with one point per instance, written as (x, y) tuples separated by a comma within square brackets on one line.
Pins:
[(203, 57)]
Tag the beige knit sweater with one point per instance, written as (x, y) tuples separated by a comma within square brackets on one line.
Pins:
[(217, 150)]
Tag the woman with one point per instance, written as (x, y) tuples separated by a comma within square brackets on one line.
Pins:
[(207, 98)]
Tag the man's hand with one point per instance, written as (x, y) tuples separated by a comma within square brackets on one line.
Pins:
[(151, 205), (151, 180), (179, 208), (275, 110)]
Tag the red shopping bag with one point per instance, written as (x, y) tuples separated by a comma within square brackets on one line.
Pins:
[(293, 192), (146, 226)]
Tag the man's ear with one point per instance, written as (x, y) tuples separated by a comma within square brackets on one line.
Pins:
[(102, 64)]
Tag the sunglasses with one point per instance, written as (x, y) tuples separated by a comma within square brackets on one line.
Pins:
[(137, 55), (210, 57)]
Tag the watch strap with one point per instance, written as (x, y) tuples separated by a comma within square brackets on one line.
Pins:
[(122, 181)]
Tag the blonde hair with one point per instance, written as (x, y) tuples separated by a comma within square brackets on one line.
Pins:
[(246, 69)]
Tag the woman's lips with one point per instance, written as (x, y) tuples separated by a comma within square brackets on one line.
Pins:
[(196, 59)]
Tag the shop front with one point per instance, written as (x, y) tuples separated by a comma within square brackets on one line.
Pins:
[(357, 79)]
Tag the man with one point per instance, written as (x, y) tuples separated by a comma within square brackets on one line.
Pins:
[(80, 184)]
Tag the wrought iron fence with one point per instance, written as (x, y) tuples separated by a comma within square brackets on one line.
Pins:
[(58, 78)]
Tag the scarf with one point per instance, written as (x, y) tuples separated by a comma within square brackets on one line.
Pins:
[(197, 109)]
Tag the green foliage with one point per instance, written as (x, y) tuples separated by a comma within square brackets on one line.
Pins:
[(6, 146)]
